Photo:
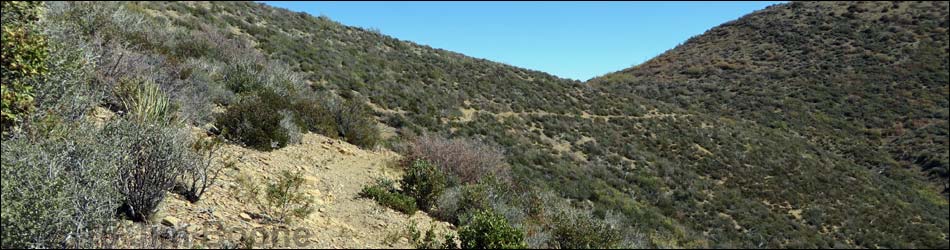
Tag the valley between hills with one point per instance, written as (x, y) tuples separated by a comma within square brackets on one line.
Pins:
[(238, 124)]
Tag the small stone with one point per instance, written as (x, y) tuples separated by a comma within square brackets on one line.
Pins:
[(245, 216), (216, 215), (322, 210), (192, 229), (171, 221)]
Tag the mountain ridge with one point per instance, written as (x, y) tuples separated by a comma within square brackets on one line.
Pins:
[(844, 54)]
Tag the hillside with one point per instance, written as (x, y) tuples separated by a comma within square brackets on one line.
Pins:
[(334, 172), (644, 157), (865, 80)]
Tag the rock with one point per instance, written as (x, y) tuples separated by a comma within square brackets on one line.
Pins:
[(322, 210), (171, 221), (103, 114), (245, 216), (192, 229), (166, 233), (211, 129), (311, 180), (216, 215)]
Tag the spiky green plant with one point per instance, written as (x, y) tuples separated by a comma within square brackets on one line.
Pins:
[(145, 102)]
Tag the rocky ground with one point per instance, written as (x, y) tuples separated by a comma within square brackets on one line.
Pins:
[(335, 172)]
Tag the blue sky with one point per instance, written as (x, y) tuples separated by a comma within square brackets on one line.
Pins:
[(577, 40)]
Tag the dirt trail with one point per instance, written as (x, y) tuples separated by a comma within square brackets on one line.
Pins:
[(469, 115), (335, 172)]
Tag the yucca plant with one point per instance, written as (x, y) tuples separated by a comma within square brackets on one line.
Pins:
[(145, 102)]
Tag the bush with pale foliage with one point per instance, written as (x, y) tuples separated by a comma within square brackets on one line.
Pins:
[(464, 161)]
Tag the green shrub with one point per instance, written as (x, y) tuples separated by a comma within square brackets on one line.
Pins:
[(283, 199), (255, 122), (313, 115), (385, 194), (244, 76), (449, 241), (354, 122), (428, 239), (247, 190), (23, 57), (424, 182), (469, 198), (695, 70), (286, 200), (488, 230), (58, 187), (580, 230), (269, 120)]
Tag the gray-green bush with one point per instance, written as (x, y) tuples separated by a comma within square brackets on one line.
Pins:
[(59, 172), (354, 122), (574, 230), (314, 115), (457, 202), (255, 122), (59, 187)]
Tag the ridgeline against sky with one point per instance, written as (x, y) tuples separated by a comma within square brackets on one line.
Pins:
[(575, 40)]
